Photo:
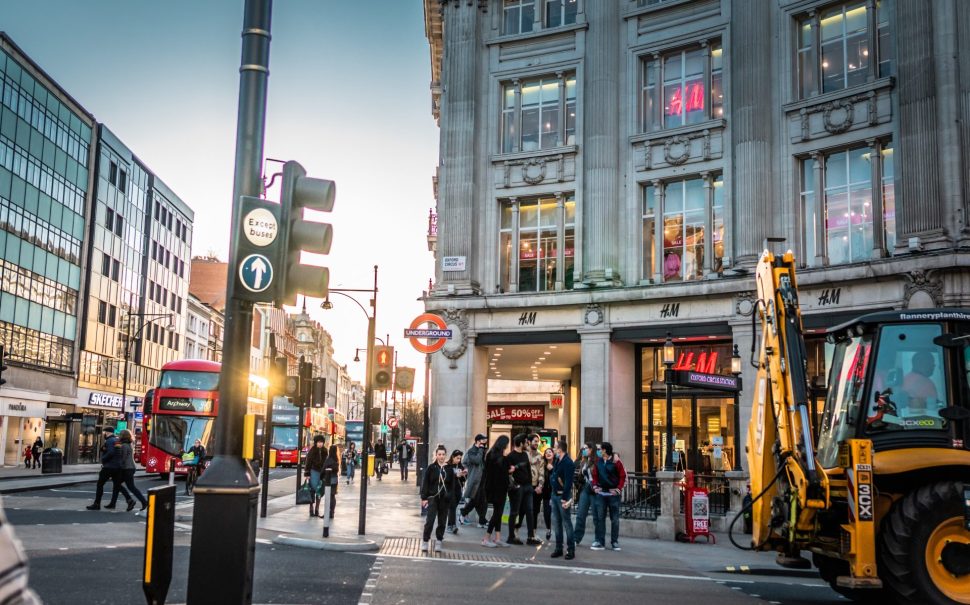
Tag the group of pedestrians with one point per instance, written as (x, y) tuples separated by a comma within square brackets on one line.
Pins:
[(530, 482), (32, 453), (118, 466)]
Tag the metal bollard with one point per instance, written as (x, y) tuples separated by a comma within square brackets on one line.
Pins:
[(171, 471), (326, 502)]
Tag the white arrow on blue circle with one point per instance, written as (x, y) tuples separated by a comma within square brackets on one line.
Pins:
[(256, 272)]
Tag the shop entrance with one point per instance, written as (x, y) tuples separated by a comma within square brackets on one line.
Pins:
[(705, 432)]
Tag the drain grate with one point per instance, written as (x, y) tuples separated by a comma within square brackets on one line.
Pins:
[(411, 547)]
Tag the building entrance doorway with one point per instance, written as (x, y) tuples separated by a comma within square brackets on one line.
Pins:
[(705, 432)]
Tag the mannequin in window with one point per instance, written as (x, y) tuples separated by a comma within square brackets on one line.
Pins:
[(671, 265)]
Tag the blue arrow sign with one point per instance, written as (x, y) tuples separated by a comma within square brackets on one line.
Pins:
[(256, 272)]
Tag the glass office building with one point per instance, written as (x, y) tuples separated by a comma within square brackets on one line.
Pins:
[(45, 159)]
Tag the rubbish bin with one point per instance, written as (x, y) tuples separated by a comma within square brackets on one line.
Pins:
[(52, 461), (370, 465)]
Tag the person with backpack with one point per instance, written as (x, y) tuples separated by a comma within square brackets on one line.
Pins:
[(37, 450), (437, 488), (609, 477)]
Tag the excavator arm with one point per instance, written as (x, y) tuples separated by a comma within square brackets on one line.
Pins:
[(781, 447)]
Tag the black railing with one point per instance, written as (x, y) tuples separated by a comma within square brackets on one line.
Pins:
[(640, 498)]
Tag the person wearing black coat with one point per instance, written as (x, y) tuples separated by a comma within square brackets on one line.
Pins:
[(496, 490), (313, 469), (332, 464), (438, 487), (380, 457), (111, 462)]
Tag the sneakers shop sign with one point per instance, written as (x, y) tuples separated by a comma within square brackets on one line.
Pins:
[(513, 413)]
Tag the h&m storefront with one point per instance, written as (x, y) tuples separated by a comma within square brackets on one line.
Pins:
[(605, 357)]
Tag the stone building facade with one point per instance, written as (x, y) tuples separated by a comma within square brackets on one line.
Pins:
[(610, 171)]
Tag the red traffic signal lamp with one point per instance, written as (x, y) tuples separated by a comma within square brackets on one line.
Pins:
[(383, 370)]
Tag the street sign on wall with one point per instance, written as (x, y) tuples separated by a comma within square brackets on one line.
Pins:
[(436, 338)]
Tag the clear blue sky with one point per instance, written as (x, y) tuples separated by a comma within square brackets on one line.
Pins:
[(348, 98)]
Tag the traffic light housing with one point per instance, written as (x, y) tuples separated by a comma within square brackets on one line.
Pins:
[(4, 354), (383, 370), (278, 375), (306, 381), (300, 235), (291, 388), (319, 393)]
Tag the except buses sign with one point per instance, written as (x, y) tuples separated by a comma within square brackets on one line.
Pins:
[(435, 337)]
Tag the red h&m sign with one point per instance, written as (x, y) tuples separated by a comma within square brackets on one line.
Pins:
[(555, 401), (519, 413)]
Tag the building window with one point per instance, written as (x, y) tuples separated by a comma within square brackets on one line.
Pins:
[(539, 114), (113, 173), (542, 231), (115, 270), (105, 265), (681, 87), (518, 16), (112, 315), (560, 12), (677, 242), (102, 312), (109, 219), (856, 218), (119, 225), (837, 47)]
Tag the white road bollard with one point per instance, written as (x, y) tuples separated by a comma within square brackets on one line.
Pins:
[(326, 502), (171, 471)]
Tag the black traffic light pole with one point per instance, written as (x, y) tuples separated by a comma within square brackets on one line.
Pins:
[(224, 519)]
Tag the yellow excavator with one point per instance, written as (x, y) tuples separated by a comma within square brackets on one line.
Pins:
[(876, 487)]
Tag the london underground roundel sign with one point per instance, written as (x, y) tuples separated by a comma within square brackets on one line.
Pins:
[(435, 337)]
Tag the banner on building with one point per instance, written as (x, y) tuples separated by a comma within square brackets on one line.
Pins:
[(517, 413), (555, 401)]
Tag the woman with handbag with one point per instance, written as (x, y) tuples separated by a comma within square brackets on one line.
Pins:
[(313, 469)]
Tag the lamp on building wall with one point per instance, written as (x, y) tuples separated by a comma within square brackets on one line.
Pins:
[(736, 362), (668, 361), (736, 371)]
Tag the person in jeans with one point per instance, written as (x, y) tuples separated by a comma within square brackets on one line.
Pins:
[(474, 493), (350, 460), (313, 467), (126, 444), (561, 482), (404, 455), (110, 469), (496, 486), (584, 479), (37, 450), (536, 463), (520, 490), (548, 464), (609, 477), (460, 473), (437, 488), (331, 464)]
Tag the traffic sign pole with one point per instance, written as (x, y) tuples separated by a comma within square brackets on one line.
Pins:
[(221, 557)]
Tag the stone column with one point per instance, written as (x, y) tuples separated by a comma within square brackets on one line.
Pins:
[(738, 487), (708, 223), (601, 157), (658, 232), (950, 156), (458, 180), (920, 208), (753, 69), (595, 383), (671, 520), (514, 252), (459, 397), (561, 125)]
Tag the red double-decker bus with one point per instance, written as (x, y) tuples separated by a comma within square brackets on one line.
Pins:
[(182, 409)]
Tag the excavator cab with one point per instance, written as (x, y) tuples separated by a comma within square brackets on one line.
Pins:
[(899, 379)]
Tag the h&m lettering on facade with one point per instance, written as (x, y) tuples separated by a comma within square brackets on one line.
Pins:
[(527, 319), (829, 297), (670, 310)]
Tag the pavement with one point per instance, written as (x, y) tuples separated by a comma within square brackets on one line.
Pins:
[(394, 525), (20, 479)]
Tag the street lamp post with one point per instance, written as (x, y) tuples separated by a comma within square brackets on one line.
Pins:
[(129, 339), (668, 361), (736, 371), (368, 385)]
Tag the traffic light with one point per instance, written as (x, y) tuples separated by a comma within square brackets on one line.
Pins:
[(278, 376), (292, 389), (306, 381), (298, 234), (3, 363), (319, 393), (383, 368)]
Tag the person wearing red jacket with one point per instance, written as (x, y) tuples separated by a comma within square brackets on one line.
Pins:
[(609, 477)]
